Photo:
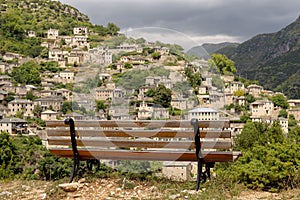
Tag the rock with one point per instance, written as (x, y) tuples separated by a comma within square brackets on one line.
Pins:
[(175, 196), (118, 189), (69, 187), (44, 196), (5, 193), (25, 187), (153, 188), (109, 185), (82, 180), (112, 194)]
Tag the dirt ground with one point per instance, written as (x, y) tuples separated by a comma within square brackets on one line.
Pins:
[(114, 189)]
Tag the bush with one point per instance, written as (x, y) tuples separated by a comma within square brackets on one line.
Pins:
[(269, 162), (270, 167)]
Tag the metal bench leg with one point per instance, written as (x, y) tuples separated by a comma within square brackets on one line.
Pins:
[(76, 157), (75, 169), (199, 175)]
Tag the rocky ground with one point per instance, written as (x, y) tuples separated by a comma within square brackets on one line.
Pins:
[(116, 189)]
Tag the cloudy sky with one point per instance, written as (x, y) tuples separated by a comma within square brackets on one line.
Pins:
[(192, 22)]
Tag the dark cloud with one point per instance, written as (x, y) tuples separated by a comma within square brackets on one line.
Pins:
[(233, 18)]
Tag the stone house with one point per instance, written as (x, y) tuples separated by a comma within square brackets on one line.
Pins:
[(160, 112), (100, 55), (179, 103), (13, 125), (240, 100), (31, 34), (56, 54), (11, 56), (149, 110), (255, 90), (49, 102), (162, 50), (4, 78), (127, 47), (3, 67), (206, 114), (295, 111), (103, 93), (228, 98), (105, 77), (67, 77), (158, 80), (21, 105), (77, 52), (73, 60), (119, 93), (49, 115), (52, 34), (80, 41), (270, 120), (143, 90), (80, 31), (262, 108), (125, 59), (177, 171), (294, 103), (4, 110), (203, 89), (235, 86), (64, 93), (3, 95)]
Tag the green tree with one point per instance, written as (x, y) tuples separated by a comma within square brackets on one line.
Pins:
[(100, 105), (37, 110), (294, 135), (31, 96), (12, 25), (156, 55), (283, 113), (223, 64), (112, 29), (280, 100), (127, 65), (162, 96), (27, 73)]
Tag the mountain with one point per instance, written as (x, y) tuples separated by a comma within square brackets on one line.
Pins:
[(206, 49), (273, 59)]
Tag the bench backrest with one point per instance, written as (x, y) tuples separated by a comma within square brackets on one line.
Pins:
[(142, 140)]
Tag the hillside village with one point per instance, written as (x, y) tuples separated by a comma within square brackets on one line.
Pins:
[(55, 64), (75, 62)]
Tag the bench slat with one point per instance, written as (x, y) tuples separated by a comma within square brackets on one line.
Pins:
[(106, 142), (142, 123), (209, 156), (139, 133)]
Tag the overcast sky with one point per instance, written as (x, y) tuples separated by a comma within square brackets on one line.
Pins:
[(192, 22)]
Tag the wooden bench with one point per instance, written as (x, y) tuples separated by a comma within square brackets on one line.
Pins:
[(160, 140)]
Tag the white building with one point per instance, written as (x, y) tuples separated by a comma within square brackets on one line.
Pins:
[(80, 30), (52, 33), (205, 114)]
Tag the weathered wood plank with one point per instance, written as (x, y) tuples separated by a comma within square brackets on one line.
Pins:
[(142, 123), (106, 142), (140, 133), (209, 156)]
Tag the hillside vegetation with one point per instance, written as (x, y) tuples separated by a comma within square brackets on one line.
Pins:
[(19, 17)]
